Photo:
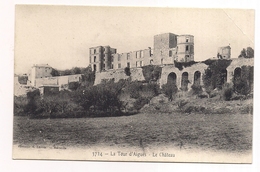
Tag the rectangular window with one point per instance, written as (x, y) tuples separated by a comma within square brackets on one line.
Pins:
[(119, 65), (141, 63), (104, 65), (112, 66), (118, 58), (142, 54), (136, 64), (187, 48), (170, 53), (187, 39), (128, 64), (95, 58), (94, 51), (128, 56)]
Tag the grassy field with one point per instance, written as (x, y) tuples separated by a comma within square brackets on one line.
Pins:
[(218, 132)]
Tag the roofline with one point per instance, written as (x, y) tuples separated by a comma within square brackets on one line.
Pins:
[(186, 35)]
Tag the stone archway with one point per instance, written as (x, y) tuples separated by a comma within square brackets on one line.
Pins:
[(172, 78), (184, 81), (197, 78), (237, 73), (223, 75)]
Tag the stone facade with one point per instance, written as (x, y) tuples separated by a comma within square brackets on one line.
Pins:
[(116, 75), (194, 73), (167, 48), (185, 48), (224, 52), (60, 81), (39, 71), (100, 57)]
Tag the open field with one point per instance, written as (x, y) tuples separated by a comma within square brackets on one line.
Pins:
[(218, 132)]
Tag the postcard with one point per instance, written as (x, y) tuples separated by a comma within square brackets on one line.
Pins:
[(133, 84)]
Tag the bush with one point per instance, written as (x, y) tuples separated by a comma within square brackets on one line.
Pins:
[(181, 104), (227, 91), (32, 98), (140, 102), (197, 89), (74, 86), (151, 72), (244, 83), (19, 105), (180, 65), (169, 90), (214, 75), (127, 71), (103, 97)]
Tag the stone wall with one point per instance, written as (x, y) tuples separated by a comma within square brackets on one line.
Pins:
[(116, 75), (166, 70), (58, 80), (200, 67)]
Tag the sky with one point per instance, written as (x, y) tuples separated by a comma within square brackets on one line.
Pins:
[(62, 35)]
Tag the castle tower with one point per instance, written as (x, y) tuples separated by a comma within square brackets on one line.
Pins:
[(164, 51), (185, 48), (100, 57), (224, 52)]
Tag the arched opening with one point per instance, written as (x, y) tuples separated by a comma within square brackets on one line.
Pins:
[(237, 73), (223, 76), (172, 78), (197, 76), (184, 81)]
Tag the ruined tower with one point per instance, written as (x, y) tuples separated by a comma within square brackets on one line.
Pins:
[(185, 48)]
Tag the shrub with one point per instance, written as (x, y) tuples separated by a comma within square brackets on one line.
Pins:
[(169, 90), (197, 89), (244, 83), (181, 104), (151, 72), (127, 71), (23, 79), (74, 85), (180, 65), (103, 97), (140, 102), (133, 89), (19, 105), (32, 98), (213, 76), (227, 91)]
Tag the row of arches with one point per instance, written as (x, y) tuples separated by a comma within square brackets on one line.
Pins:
[(197, 79)]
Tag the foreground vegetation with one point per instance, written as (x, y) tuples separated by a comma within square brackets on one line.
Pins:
[(222, 132)]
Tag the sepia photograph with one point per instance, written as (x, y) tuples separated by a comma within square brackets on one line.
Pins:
[(142, 84)]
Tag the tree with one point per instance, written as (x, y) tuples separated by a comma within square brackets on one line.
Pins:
[(55, 72), (67, 72), (88, 76), (247, 53), (169, 90), (127, 71), (23, 79), (244, 84), (250, 52), (76, 70)]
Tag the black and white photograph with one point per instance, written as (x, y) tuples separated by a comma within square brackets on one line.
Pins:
[(134, 84)]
